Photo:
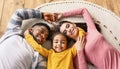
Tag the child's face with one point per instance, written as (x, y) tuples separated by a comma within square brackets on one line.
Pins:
[(69, 29), (59, 43)]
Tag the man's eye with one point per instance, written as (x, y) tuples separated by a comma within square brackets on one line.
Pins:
[(42, 31), (67, 26)]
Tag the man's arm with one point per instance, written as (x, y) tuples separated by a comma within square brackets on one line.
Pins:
[(15, 22)]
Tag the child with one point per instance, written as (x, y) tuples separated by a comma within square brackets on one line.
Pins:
[(59, 57)]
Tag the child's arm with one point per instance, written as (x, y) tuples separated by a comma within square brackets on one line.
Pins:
[(36, 46)]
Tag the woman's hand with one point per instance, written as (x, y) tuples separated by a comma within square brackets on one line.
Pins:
[(80, 43), (52, 17)]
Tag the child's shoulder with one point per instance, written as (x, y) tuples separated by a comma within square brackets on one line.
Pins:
[(81, 32)]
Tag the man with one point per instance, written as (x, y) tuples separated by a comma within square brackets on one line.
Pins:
[(15, 52)]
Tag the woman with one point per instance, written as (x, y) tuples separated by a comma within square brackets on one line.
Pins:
[(97, 50)]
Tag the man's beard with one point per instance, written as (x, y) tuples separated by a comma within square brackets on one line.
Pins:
[(34, 38)]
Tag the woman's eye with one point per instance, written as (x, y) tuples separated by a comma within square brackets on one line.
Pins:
[(67, 26)]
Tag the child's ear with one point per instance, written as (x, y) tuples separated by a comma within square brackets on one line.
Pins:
[(30, 29), (27, 32)]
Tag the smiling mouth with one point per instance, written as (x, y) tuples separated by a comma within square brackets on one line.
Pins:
[(36, 39), (58, 48), (40, 41)]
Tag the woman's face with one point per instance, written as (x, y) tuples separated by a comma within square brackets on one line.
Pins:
[(40, 33), (59, 43), (69, 29)]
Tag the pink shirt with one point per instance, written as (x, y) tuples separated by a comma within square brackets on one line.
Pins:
[(97, 50)]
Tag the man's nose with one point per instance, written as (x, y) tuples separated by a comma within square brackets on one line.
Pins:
[(43, 36)]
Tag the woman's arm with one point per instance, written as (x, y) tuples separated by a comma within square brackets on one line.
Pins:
[(36, 46), (80, 60), (86, 15)]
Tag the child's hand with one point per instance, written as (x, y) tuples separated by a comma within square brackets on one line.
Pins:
[(80, 43), (52, 17), (26, 32)]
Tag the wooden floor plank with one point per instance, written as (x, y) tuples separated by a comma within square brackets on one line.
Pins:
[(112, 5), (118, 7), (1, 13), (33, 3), (1, 9), (9, 7)]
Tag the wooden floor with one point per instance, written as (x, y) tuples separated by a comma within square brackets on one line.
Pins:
[(7, 7)]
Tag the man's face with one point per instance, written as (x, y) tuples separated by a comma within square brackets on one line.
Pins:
[(40, 33)]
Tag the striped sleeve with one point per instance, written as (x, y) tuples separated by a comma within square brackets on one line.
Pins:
[(20, 15)]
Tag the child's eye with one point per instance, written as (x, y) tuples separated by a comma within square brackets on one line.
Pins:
[(63, 42), (55, 42)]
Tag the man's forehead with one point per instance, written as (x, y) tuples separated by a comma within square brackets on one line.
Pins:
[(41, 27)]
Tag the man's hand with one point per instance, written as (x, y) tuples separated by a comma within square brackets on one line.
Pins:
[(52, 17)]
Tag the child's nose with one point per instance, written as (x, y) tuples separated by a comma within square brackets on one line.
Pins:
[(59, 43)]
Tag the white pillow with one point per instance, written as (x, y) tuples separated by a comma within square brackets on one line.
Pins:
[(30, 22)]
